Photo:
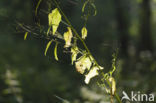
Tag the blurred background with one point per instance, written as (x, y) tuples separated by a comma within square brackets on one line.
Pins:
[(27, 76)]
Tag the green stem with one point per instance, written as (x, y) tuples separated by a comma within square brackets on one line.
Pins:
[(84, 44), (75, 32)]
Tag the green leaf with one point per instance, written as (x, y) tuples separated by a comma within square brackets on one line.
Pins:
[(47, 47), (95, 10), (84, 5), (84, 32), (48, 30), (90, 4), (54, 19), (25, 35), (55, 51), (38, 4), (68, 37)]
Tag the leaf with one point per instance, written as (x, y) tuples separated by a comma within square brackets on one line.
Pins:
[(74, 51), (48, 30), (55, 51), (92, 4), (92, 73), (113, 85), (38, 4), (84, 32), (83, 63), (95, 10), (68, 37), (84, 5), (47, 47), (25, 35), (54, 19)]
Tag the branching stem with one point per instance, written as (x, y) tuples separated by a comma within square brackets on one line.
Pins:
[(84, 44)]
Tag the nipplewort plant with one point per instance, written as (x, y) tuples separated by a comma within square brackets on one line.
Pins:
[(81, 58)]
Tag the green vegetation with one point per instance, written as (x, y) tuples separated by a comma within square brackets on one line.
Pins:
[(76, 51)]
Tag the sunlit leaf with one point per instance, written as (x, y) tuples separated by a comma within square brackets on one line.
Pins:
[(55, 51), (54, 19), (25, 35), (84, 5), (84, 32), (38, 4), (48, 30), (83, 63), (113, 85), (68, 37), (47, 47), (92, 73), (74, 51)]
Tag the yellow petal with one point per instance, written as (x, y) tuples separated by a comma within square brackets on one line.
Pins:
[(87, 63), (101, 67), (68, 37), (74, 51), (84, 32), (79, 67), (113, 85), (83, 63), (92, 73)]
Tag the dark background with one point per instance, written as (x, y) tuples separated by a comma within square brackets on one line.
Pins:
[(27, 76)]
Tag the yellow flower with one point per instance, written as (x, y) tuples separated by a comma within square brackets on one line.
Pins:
[(84, 32), (68, 37), (92, 73), (82, 64), (74, 51), (113, 85), (54, 19)]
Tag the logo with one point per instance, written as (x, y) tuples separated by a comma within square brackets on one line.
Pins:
[(137, 96)]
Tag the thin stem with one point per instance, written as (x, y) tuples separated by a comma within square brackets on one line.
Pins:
[(84, 44), (47, 38)]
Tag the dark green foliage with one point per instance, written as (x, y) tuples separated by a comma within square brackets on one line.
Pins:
[(41, 78)]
